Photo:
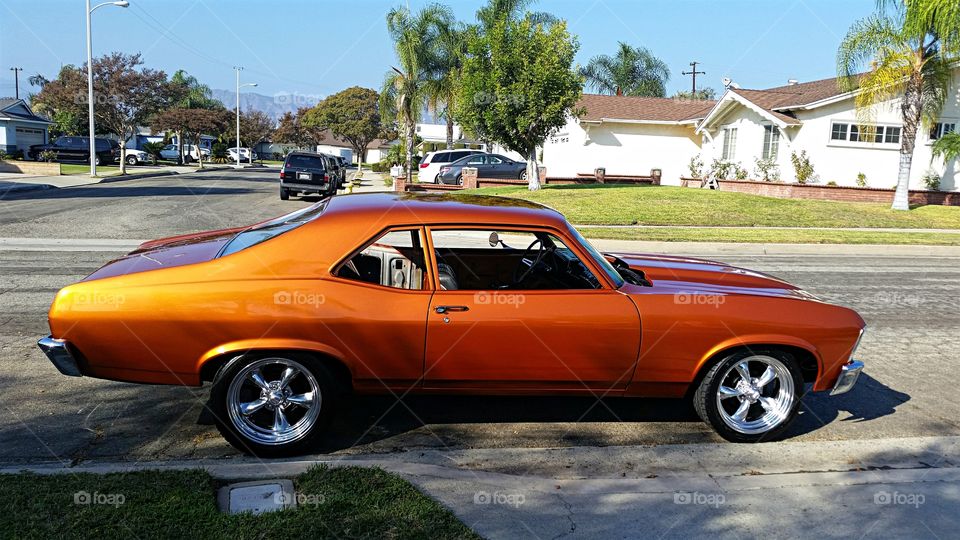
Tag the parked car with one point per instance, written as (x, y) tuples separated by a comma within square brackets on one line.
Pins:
[(443, 293), (339, 171), (431, 163), (307, 173), (136, 157), (73, 148), (191, 153), (487, 165), (246, 154)]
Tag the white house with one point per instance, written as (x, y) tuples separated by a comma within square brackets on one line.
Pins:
[(633, 135), (19, 127)]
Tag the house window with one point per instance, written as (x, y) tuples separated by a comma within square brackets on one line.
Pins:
[(771, 142), (729, 143), (940, 129), (869, 133), (893, 135), (839, 132)]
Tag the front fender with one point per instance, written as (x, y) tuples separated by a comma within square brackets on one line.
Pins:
[(761, 339), (271, 344)]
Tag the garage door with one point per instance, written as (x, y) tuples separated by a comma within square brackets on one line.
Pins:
[(28, 136)]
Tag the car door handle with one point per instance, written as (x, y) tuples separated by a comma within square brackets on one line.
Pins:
[(450, 309)]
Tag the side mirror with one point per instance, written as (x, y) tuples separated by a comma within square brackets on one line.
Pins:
[(494, 239)]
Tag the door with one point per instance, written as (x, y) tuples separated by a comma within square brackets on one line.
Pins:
[(480, 162), (486, 329), (498, 168)]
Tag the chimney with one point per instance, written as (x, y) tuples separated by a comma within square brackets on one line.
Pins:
[(792, 82)]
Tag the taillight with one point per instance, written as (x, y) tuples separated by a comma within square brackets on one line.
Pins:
[(424, 165), (282, 174), (326, 177)]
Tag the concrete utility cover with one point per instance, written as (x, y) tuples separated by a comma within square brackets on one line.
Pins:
[(256, 497)]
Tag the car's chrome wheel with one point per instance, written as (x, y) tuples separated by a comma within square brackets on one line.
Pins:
[(756, 394), (274, 401)]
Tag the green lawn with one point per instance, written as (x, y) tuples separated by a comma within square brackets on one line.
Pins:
[(84, 168), (769, 236), (346, 502), (663, 205)]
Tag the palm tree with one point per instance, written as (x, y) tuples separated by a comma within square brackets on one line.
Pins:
[(632, 71), (907, 61), (447, 62), (498, 10), (947, 147), (405, 88)]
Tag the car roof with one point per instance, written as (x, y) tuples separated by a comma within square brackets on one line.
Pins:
[(386, 209)]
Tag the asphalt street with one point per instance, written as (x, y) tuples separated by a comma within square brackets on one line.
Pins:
[(908, 390)]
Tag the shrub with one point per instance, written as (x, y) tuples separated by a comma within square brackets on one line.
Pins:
[(725, 170), (696, 167), (380, 166), (3, 155), (832, 183), (931, 180), (153, 150), (48, 155), (767, 170), (802, 167), (388, 181), (218, 153), (277, 156), (861, 180)]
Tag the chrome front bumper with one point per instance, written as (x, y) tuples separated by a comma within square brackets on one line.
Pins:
[(848, 377), (58, 351)]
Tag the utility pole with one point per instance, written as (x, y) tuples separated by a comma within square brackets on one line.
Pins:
[(694, 72), (16, 80)]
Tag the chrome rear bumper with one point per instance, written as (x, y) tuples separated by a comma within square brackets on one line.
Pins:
[(58, 351), (848, 377)]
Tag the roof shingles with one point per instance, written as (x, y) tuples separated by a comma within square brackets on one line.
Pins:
[(643, 109)]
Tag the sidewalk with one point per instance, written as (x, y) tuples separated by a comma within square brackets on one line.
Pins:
[(875, 488), (12, 182)]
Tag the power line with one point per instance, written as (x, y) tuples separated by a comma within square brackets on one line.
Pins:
[(693, 71)]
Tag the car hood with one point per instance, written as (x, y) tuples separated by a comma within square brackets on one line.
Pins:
[(168, 252), (688, 273)]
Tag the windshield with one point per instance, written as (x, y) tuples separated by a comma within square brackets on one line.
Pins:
[(273, 228), (598, 258)]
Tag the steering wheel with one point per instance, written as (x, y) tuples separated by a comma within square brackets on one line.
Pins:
[(521, 273)]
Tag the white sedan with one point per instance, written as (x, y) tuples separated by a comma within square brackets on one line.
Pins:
[(190, 153), (245, 154)]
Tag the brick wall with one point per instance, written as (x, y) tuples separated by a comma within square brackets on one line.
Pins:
[(40, 168), (831, 193)]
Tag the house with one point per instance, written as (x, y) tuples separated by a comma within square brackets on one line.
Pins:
[(19, 127), (629, 135), (331, 144)]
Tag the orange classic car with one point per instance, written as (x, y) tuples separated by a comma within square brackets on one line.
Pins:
[(447, 294)]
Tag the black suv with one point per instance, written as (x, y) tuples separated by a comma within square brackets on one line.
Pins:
[(306, 172), (70, 148)]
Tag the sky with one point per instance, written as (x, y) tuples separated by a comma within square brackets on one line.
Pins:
[(316, 48)]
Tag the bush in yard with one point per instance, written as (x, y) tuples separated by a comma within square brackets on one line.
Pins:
[(767, 170), (380, 166), (861, 180), (218, 153), (388, 181), (48, 155), (3, 155), (696, 167), (832, 183), (726, 170), (931, 180), (802, 167), (277, 156), (153, 150)]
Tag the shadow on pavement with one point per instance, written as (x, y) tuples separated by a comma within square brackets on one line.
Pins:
[(108, 191)]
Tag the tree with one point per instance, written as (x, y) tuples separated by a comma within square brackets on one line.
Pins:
[(255, 127), (153, 150), (947, 147), (192, 94), (352, 115), (451, 46), (127, 95), (907, 61), (518, 85), (63, 101), (192, 122), (632, 71), (405, 89), (291, 129), (702, 94)]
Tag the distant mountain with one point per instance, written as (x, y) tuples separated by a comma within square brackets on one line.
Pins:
[(274, 105)]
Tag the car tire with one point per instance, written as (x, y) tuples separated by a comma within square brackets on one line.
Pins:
[(187, 160), (523, 175), (757, 410), (132, 160), (459, 179), (97, 161), (306, 403), (284, 195)]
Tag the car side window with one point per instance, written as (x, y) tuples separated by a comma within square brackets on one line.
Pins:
[(494, 160), (394, 259), (494, 259), (476, 160)]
